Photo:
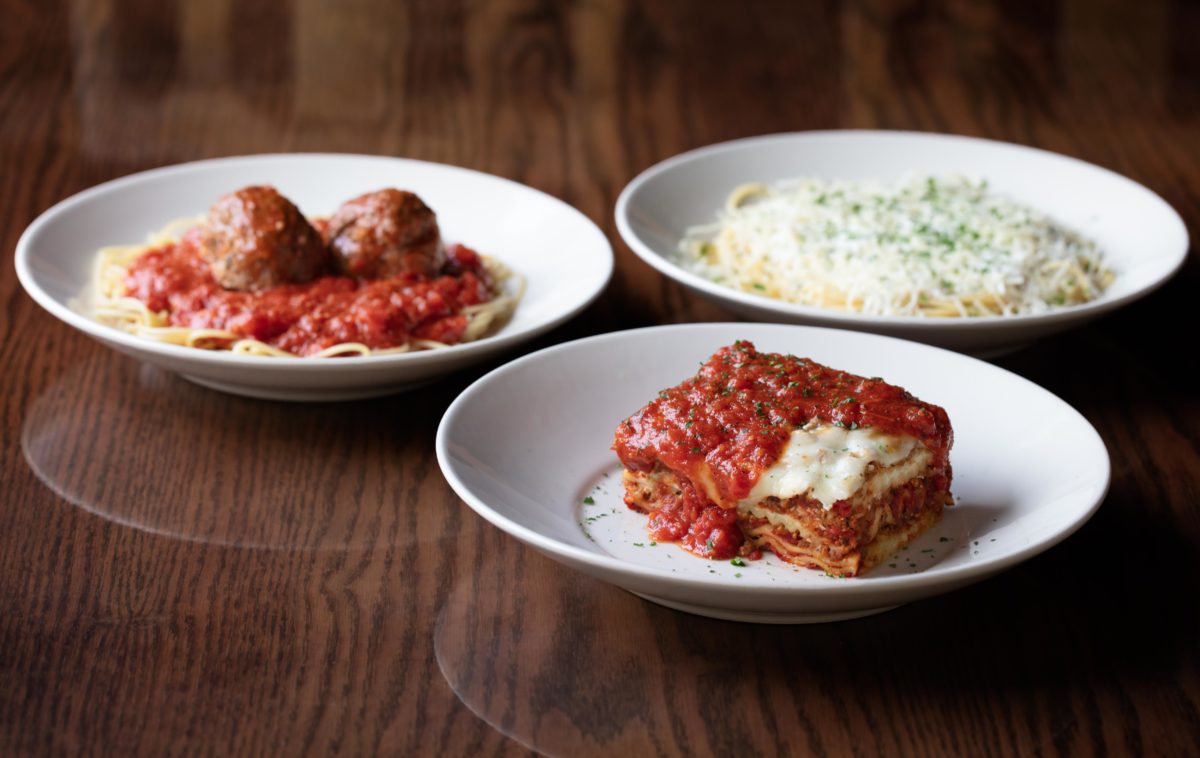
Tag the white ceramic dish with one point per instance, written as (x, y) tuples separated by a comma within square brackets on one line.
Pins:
[(526, 444), (564, 257), (1143, 239)]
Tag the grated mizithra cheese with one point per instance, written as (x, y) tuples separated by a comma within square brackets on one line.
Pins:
[(933, 246)]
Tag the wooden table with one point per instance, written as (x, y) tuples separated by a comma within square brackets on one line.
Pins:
[(186, 572)]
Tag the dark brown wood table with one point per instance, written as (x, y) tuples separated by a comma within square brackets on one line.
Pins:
[(187, 572)]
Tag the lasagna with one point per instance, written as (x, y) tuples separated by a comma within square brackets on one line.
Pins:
[(824, 468)]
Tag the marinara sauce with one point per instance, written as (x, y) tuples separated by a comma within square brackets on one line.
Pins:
[(306, 318), (732, 420)]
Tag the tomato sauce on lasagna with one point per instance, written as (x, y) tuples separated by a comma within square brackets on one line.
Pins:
[(825, 468)]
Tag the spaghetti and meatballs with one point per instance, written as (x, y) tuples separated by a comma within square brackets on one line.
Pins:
[(257, 277)]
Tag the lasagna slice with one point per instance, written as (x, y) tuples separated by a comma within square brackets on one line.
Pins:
[(760, 450)]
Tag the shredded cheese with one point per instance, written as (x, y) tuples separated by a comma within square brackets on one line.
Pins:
[(932, 246)]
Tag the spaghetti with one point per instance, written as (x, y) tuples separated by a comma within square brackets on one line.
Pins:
[(926, 246)]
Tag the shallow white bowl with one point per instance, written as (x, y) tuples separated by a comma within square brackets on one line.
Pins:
[(526, 445), (564, 257), (1143, 238)]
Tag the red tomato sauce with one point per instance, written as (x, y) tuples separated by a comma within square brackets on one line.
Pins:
[(686, 516), (733, 419), (306, 318)]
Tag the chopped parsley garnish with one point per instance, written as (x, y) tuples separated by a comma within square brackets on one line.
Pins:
[(738, 561), (589, 500)]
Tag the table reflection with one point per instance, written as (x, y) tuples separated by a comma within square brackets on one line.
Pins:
[(141, 447)]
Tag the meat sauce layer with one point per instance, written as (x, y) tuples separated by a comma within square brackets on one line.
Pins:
[(306, 318), (732, 420)]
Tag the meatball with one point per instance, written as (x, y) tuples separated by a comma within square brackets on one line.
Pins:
[(385, 233), (256, 239)]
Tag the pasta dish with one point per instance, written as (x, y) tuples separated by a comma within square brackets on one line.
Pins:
[(925, 246), (257, 278), (764, 451)]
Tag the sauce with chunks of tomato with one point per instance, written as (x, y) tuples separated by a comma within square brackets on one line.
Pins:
[(307, 318)]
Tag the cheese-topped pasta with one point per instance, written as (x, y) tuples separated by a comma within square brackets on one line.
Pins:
[(933, 246)]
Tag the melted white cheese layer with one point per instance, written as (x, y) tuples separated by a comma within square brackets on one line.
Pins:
[(828, 463)]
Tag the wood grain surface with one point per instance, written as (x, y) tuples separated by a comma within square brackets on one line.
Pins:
[(183, 572)]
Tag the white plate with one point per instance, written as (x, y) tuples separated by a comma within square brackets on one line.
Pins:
[(1143, 238), (564, 257), (527, 443)]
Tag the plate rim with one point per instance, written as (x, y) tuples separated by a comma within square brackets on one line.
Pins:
[(928, 579), (851, 319), (28, 279)]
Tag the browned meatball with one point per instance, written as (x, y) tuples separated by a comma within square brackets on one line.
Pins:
[(385, 233), (256, 239)]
